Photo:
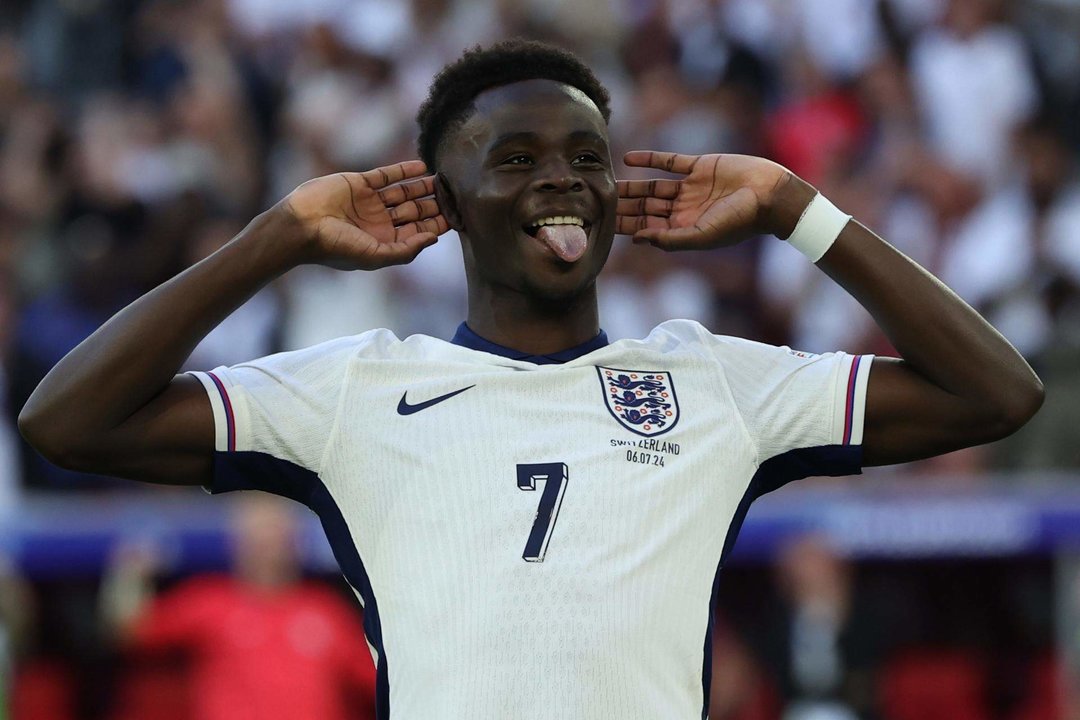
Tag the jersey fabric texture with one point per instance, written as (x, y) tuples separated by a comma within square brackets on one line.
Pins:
[(536, 539)]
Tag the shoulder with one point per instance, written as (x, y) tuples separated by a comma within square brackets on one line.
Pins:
[(321, 364), (371, 343), (690, 335)]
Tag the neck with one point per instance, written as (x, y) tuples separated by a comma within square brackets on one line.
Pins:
[(533, 325)]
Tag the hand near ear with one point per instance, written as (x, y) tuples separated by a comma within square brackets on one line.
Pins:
[(367, 220), (722, 200)]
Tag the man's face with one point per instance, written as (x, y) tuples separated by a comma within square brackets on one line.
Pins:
[(534, 153)]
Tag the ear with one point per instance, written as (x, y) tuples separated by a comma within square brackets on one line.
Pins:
[(448, 206)]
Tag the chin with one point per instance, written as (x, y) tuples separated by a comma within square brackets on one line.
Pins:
[(562, 290)]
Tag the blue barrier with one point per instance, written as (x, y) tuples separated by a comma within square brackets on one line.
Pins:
[(71, 535)]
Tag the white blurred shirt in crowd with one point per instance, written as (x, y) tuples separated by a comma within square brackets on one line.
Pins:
[(972, 94), (429, 292), (246, 334), (324, 304), (629, 309), (996, 258)]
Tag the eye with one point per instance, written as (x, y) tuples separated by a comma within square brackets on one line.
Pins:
[(519, 159), (588, 158)]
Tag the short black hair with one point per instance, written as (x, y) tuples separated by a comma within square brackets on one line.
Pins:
[(452, 92)]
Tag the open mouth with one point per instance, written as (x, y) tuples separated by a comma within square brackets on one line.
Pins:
[(534, 228), (566, 235)]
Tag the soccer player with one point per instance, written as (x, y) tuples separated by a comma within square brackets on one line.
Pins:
[(534, 518)]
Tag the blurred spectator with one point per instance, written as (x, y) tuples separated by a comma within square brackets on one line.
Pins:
[(260, 643), (55, 322), (132, 132), (738, 690), (435, 284), (1017, 258), (975, 84), (323, 304), (823, 646), (252, 329), (137, 136), (15, 623), (641, 289), (10, 474)]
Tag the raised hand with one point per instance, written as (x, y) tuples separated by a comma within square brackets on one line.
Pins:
[(723, 200), (367, 220)]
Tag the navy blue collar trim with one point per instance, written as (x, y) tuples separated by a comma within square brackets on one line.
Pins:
[(467, 338)]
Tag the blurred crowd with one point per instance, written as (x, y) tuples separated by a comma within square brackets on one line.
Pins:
[(137, 136)]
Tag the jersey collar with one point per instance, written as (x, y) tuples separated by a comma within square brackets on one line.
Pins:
[(467, 338)]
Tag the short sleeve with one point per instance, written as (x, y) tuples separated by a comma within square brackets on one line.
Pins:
[(797, 402), (280, 408)]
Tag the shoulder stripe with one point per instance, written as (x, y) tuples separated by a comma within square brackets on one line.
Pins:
[(230, 420), (849, 409)]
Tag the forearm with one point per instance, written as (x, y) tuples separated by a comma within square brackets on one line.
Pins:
[(960, 383), (959, 375), (116, 371), (933, 330)]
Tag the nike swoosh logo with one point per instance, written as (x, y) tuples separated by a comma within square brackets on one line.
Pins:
[(404, 408)]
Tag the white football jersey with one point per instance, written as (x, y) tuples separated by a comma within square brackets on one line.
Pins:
[(536, 540)]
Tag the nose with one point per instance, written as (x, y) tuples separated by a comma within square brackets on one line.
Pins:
[(558, 176)]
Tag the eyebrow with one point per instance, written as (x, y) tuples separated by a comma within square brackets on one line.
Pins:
[(507, 138), (529, 136)]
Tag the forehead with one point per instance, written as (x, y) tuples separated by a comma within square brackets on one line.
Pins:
[(544, 107)]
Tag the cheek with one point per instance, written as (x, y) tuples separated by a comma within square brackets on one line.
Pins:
[(490, 211), (607, 191)]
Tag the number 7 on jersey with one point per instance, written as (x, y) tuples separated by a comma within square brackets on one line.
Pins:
[(554, 476)]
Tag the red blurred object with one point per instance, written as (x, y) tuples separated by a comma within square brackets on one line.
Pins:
[(932, 684), (1046, 694), (296, 651), (43, 690), (811, 136), (154, 687)]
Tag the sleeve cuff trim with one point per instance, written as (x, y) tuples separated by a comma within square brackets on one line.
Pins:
[(855, 399), (230, 418), (221, 404)]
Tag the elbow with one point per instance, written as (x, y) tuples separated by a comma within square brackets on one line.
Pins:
[(33, 429), (43, 434), (1018, 406)]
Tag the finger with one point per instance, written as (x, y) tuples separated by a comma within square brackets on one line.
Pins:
[(671, 238), (380, 177), (414, 210), (666, 189), (436, 225), (410, 190), (644, 206), (405, 250), (672, 162), (631, 224)]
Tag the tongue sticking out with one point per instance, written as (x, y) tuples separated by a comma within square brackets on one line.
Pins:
[(568, 241)]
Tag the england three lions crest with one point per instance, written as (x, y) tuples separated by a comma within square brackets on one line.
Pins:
[(643, 401)]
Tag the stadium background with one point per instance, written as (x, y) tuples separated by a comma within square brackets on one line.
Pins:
[(136, 136)]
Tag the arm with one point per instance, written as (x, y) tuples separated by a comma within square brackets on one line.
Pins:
[(959, 382), (114, 406)]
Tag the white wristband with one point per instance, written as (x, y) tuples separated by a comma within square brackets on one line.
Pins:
[(818, 228)]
